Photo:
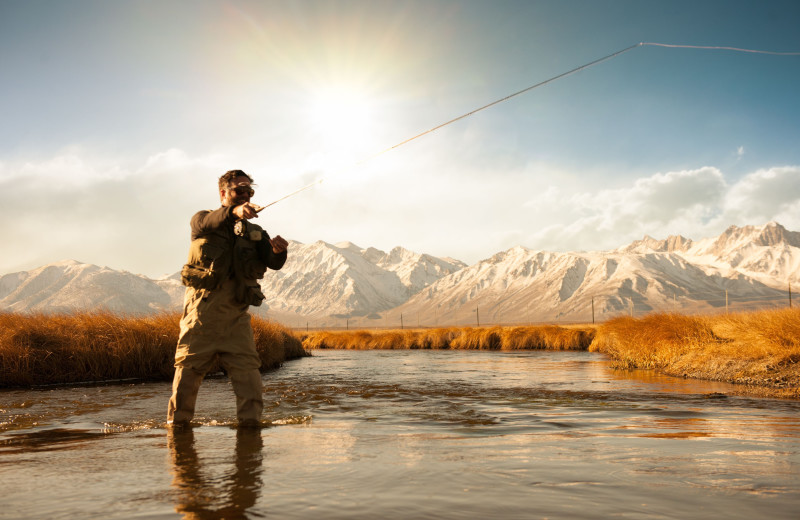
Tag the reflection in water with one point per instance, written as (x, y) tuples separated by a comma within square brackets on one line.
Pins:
[(409, 434), (199, 494), (47, 440)]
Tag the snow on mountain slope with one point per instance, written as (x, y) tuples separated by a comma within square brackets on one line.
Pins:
[(649, 244), (521, 285), (342, 280), (69, 286), (416, 271), (768, 253), (326, 284)]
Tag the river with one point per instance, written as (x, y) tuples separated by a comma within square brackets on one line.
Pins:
[(407, 434)]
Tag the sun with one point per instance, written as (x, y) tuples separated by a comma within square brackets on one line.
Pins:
[(342, 120)]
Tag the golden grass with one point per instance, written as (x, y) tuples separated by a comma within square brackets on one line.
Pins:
[(465, 338), (756, 348), (760, 350), (38, 349)]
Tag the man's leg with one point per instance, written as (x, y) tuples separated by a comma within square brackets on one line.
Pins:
[(185, 386), (249, 395)]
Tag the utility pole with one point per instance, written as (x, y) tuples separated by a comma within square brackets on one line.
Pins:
[(726, 301), (477, 316), (790, 295), (592, 310), (401, 321)]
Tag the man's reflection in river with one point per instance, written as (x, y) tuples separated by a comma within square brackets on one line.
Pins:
[(229, 496)]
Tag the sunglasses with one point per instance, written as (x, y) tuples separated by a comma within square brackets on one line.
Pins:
[(243, 190)]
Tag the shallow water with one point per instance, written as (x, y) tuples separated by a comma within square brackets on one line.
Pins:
[(408, 434)]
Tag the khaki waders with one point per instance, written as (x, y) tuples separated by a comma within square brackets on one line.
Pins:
[(215, 326)]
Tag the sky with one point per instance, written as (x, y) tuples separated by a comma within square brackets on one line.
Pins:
[(117, 118)]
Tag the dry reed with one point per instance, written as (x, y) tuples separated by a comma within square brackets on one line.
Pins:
[(466, 338), (755, 348), (760, 350), (39, 349)]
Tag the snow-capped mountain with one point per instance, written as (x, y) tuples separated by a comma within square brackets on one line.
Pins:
[(70, 285), (336, 284), (768, 253), (324, 280), (743, 268), (521, 285), (321, 281)]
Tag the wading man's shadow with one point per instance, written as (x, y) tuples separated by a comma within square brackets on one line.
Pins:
[(200, 496)]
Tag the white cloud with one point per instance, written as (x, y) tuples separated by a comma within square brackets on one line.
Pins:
[(134, 215), (97, 212), (763, 194), (66, 168), (177, 161), (740, 152), (694, 203)]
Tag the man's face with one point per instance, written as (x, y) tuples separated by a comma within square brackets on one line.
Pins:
[(238, 192)]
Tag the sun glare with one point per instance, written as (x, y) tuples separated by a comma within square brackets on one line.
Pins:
[(342, 120)]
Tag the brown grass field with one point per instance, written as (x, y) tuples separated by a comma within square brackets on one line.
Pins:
[(759, 351), (457, 338), (42, 349)]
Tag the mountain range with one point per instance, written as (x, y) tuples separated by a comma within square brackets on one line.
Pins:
[(345, 285)]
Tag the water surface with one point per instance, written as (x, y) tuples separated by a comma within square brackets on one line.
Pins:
[(408, 434)]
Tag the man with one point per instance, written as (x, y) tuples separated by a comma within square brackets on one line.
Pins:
[(227, 256)]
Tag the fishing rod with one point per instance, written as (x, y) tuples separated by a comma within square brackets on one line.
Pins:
[(304, 188), (537, 85)]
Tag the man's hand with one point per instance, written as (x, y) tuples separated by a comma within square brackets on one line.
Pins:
[(279, 244), (245, 211)]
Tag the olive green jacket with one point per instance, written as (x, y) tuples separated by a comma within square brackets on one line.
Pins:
[(223, 248)]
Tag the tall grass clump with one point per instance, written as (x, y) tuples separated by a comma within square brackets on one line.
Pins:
[(756, 348), (38, 349), (464, 338), (275, 343)]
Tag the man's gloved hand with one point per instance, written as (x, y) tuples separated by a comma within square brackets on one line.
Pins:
[(279, 244), (245, 211)]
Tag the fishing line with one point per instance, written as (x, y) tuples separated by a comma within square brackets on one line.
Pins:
[(537, 85), (737, 49)]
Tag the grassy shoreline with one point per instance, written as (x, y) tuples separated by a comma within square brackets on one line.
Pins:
[(758, 351), (48, 349), (456, 338)]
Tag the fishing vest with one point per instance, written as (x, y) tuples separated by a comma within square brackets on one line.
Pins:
[(217, 257)]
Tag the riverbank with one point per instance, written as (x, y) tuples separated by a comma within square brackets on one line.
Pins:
[(46, 349), (759, 351), (459, 338)]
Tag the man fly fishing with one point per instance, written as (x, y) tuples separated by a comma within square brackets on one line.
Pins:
[(227, 257)]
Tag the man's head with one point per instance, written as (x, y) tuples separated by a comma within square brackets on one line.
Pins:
[(235, 187)]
